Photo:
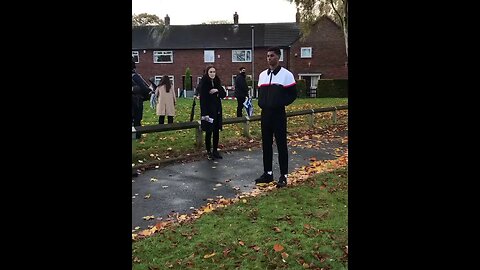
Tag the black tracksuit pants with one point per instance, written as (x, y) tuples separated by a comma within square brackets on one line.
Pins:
[(274, 123), (240, 101)]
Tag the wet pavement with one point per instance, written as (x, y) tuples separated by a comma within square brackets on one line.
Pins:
[(182, 187)]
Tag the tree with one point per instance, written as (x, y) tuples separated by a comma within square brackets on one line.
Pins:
[(311, 10), (144, 19), (188, 80)]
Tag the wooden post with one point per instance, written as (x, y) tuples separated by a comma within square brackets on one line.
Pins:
[(310, 119), (246, 129), (335, 115), (134, 137), (199, 134)]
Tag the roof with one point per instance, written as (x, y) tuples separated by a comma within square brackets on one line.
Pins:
[(213, 36)]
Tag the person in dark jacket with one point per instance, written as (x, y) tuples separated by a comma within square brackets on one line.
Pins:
[(211, 93), (140, 90), (276, 89), (241, 90)]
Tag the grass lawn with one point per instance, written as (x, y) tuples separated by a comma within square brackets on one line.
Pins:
[(164, 145), (299, 227)]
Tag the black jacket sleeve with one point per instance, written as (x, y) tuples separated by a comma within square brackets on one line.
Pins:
[(291, 94)]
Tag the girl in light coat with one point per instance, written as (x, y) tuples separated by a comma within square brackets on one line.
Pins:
[(166, 100)]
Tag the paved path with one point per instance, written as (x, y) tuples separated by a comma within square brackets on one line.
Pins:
[(182, 187)]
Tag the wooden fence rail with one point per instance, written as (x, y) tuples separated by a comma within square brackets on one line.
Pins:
[(245, 120)]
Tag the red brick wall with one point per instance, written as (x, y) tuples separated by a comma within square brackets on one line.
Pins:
[(328, 58), (328, 52), (195, 61)]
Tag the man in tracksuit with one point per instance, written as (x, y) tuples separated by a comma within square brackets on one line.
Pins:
[(276, 89)]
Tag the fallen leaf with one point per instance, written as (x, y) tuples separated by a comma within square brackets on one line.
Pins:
[(138, 227), (277, 229), (208, 208), (241, 243), (226, 252), (148, 217), (209, 255), (218, 185), (284, 255), (278, 247), (147, 196), (256, 248)]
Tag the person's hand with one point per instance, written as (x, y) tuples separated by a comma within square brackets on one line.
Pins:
[(213, 91)]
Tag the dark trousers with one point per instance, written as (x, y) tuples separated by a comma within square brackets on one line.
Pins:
[(240, 101), (161, 119), (274, 123), (137, 113), (208, 137)]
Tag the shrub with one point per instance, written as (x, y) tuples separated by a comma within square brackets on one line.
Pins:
[(301, 88), (332, 88)]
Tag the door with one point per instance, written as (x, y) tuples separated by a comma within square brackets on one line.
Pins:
[(311, 81)]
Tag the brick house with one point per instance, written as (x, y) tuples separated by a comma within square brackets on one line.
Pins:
[(169, 50)]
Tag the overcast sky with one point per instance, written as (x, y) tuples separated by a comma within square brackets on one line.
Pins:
[(183, 12)]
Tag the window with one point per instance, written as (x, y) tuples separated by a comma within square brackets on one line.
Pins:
[(209, 56), (135, 56), (162, 57), (306, 52), (281, 56), (241, 55), (159, 78)]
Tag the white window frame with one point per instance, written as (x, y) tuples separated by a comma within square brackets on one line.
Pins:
[(303, 49), (209, 56), (281, 56), (162, 53), (135, 53), (247, 53)]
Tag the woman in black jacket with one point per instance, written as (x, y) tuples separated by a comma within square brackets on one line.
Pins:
[(211, 93)]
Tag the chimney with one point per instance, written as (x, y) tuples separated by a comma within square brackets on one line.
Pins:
[(235, 18), (297, 17), (167, 20)]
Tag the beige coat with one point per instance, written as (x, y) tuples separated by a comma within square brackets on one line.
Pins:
[(165, 101)]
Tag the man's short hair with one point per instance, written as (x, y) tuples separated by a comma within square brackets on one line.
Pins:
[(241, 68), (276, 50)]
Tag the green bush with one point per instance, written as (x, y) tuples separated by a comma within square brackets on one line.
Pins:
[(332, 88), (301, 88), (188, 82)]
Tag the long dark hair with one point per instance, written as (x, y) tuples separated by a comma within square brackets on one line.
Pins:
[(166, 81), (216, 79)]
